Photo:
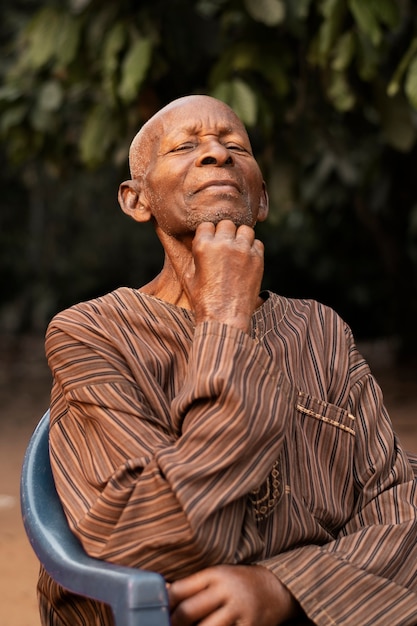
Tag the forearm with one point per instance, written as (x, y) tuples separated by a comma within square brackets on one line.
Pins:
[(234, 413), (166, 501), (366, 574), (331, 589)]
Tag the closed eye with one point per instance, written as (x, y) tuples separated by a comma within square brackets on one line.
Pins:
[(182, 147), (234, 146)]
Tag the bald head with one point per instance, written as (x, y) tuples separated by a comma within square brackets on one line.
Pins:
[(148, 136), (192, 162)]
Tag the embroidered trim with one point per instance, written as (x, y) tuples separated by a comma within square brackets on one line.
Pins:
[(256, 334), (323, 418), (265, 498)]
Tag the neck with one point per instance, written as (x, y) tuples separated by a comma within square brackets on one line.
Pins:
[(168, 285)]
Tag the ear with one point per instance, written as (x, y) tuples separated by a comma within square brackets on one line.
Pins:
[(132, 201), (263, 204)]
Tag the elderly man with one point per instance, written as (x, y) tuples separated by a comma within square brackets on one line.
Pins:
[(232, 440)]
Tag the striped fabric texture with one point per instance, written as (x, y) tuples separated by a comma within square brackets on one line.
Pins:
[(176, 447)]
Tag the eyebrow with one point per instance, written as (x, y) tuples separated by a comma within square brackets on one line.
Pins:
[(176, 135), (194, 129)]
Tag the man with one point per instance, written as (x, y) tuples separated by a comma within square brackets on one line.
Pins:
[(235, 442)]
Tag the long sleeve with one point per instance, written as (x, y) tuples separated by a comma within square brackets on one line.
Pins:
[(153, 483), (366, 571), (176, 448)]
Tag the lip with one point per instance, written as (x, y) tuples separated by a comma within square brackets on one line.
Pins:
[(218, 183)]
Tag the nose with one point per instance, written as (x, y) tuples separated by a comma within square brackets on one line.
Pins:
[(214, 153)]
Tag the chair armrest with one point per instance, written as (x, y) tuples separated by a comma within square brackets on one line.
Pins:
[(136, 596)]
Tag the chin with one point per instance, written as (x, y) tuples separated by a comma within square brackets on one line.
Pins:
[(217, 215)]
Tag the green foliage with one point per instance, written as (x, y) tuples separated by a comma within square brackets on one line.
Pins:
[(269, 12), (241, 98), (327, 88), (134, 68), (94, 64)]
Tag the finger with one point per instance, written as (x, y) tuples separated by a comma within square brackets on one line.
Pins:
[(183, 588), (205, 230), (245, 233), (258, 247), (196, 608), (222, 617), (226, 228)]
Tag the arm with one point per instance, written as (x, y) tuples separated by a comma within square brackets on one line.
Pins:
[(154, 481), (119, 468), (367, 575)]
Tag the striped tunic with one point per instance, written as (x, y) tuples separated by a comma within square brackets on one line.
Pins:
[(176, 447)]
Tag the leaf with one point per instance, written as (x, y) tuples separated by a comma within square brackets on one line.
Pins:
[(368, 59), (364, 13), (240, 97), (395, 82), (50, 96), (333, 12), (410, 85), (113, 44), (69, 39), (301, 8), (79, 5), (396, 121), (134, 68), (249, 57), (329, 7), (42, 35), (96, 136), (388, 11), (110, 60), (269, 12), (340, 92), (344, 51), (13, 116), (9, 93), (41, 120)]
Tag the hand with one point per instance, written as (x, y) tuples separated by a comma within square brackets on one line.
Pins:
[(229, 595), (224, 283)]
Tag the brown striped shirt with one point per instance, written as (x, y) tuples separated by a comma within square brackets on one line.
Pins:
[(177, 447)]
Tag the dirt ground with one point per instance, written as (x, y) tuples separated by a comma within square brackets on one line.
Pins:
[(24, 394)]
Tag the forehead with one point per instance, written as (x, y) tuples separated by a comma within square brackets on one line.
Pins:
[(199, 116)]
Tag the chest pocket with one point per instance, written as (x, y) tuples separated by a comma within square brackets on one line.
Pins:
[(324, 437)]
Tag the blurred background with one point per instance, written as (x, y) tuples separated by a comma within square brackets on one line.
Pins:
[(328, 92), (327, 89)]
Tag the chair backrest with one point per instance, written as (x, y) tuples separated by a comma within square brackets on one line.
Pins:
[(137, 597)]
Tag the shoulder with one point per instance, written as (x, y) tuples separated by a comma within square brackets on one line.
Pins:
[(101, 316), (92, 311), (309, 313), (318, 326)]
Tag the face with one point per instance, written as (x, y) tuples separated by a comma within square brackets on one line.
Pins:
[(200, 167)]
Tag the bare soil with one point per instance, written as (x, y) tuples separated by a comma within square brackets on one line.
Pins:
[(24, 396)]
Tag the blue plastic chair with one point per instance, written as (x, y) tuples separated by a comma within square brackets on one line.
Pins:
[(137, 597)]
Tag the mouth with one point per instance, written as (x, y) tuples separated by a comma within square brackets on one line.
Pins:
[(224, 185)]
